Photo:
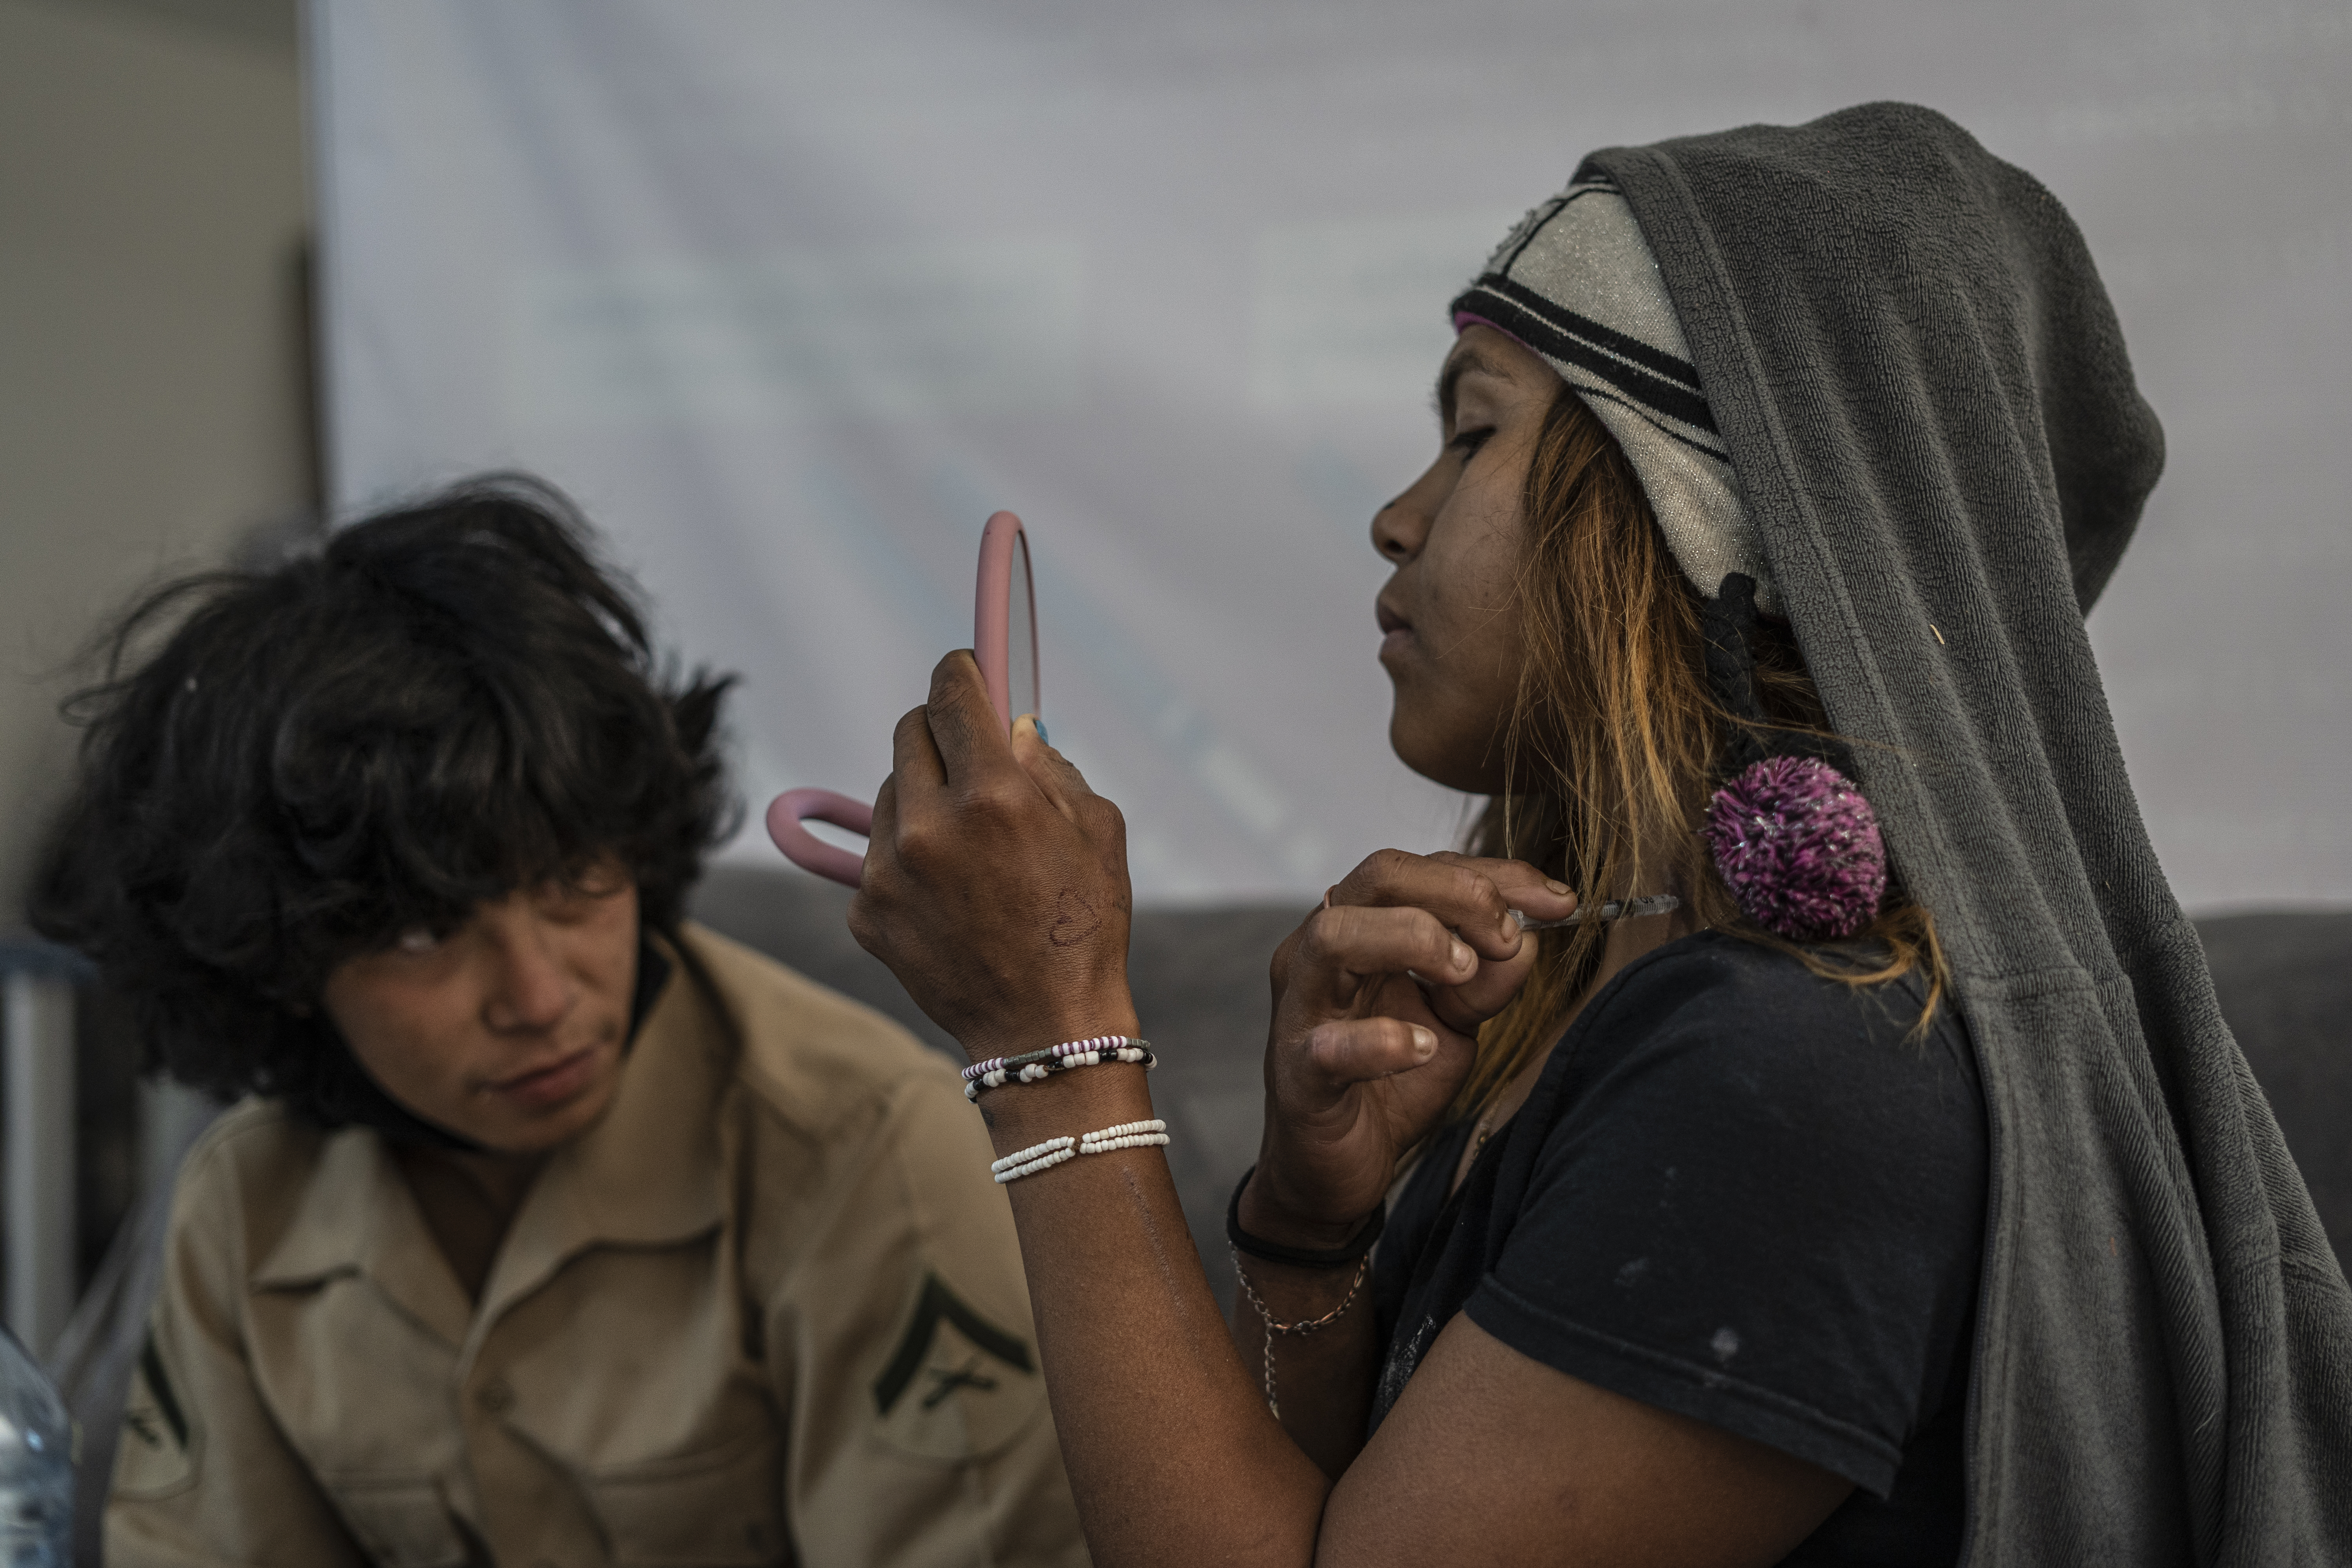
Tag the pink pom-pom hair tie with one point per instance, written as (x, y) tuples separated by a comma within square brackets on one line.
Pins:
[(1793, 835)]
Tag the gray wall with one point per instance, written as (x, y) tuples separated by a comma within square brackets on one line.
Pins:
[(792, 294), (151, 361), (152, 350)]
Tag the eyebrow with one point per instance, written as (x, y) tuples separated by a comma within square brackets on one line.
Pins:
[(1457, 367)]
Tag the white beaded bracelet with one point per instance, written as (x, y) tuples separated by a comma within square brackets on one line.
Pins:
[(1125, 1135), (1030, 1160), (1053, 1150)]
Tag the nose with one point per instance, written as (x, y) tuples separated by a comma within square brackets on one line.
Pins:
[(1402, 527), (532, 992)]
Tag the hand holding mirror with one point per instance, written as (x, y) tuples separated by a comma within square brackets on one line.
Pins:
[(1004, 641)]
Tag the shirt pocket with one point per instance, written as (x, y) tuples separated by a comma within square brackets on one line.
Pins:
[(399, 1521), (721, 1508)]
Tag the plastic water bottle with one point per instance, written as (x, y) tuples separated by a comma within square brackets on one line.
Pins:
[(35, 1465)]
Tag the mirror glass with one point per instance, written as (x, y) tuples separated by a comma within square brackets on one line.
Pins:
[(1021, 634)]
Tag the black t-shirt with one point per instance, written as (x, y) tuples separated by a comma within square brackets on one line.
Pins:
[(1743, 1193)]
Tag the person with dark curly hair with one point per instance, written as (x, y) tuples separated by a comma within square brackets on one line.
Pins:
[(553, 1227)]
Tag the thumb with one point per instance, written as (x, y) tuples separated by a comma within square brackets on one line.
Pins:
[(1358, 1050)]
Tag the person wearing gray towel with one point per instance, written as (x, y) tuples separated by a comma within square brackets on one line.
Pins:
[(1800, 1129)]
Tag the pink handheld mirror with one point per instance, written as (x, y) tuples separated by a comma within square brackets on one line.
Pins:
[(1005, 640)]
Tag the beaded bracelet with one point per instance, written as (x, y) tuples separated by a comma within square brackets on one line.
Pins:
[(1125, 1135), (1053, 1150), (1036, 1157), (999, 1071), (1090, 1046)]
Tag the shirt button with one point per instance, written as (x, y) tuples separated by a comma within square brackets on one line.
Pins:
[(496, 1397)]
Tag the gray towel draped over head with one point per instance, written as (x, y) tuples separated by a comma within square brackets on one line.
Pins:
[(1926, 397)]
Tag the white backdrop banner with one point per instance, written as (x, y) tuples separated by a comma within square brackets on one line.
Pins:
[(791, 296)]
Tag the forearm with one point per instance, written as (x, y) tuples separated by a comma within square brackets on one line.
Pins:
[(995, 887), (1171, 1452)]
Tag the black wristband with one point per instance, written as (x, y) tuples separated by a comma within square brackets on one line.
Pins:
[(1298, 1257)]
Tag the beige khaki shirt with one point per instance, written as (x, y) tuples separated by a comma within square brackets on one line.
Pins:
[(769, 1308)]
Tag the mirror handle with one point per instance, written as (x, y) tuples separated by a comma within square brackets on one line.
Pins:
[(805, 849)]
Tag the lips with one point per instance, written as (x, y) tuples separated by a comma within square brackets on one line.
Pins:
[(1395, 631), (553, 1084)]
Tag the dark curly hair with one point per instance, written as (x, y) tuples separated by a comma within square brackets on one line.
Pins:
[(433, 707)]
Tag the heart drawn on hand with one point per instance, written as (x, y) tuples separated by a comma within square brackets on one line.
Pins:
[(1075, 918)]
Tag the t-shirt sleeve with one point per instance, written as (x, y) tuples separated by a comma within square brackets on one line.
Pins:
[(1757, 1201)]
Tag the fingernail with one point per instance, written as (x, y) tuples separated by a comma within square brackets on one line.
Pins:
[(1042, 736), (1459, 955), (1424, 1044), (1562, 888)]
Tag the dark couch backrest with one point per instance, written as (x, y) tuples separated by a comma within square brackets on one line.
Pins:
[(1199, 979)]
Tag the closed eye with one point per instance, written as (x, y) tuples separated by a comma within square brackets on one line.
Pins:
[(1467, 442)]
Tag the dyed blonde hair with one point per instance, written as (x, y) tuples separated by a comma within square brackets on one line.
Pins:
[(1612, 736)]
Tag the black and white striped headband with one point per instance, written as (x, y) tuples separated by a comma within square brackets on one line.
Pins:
[(1576, 283)]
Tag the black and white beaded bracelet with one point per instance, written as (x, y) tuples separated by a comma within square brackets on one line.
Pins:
[(1037, 1066), (1093, 1045)]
